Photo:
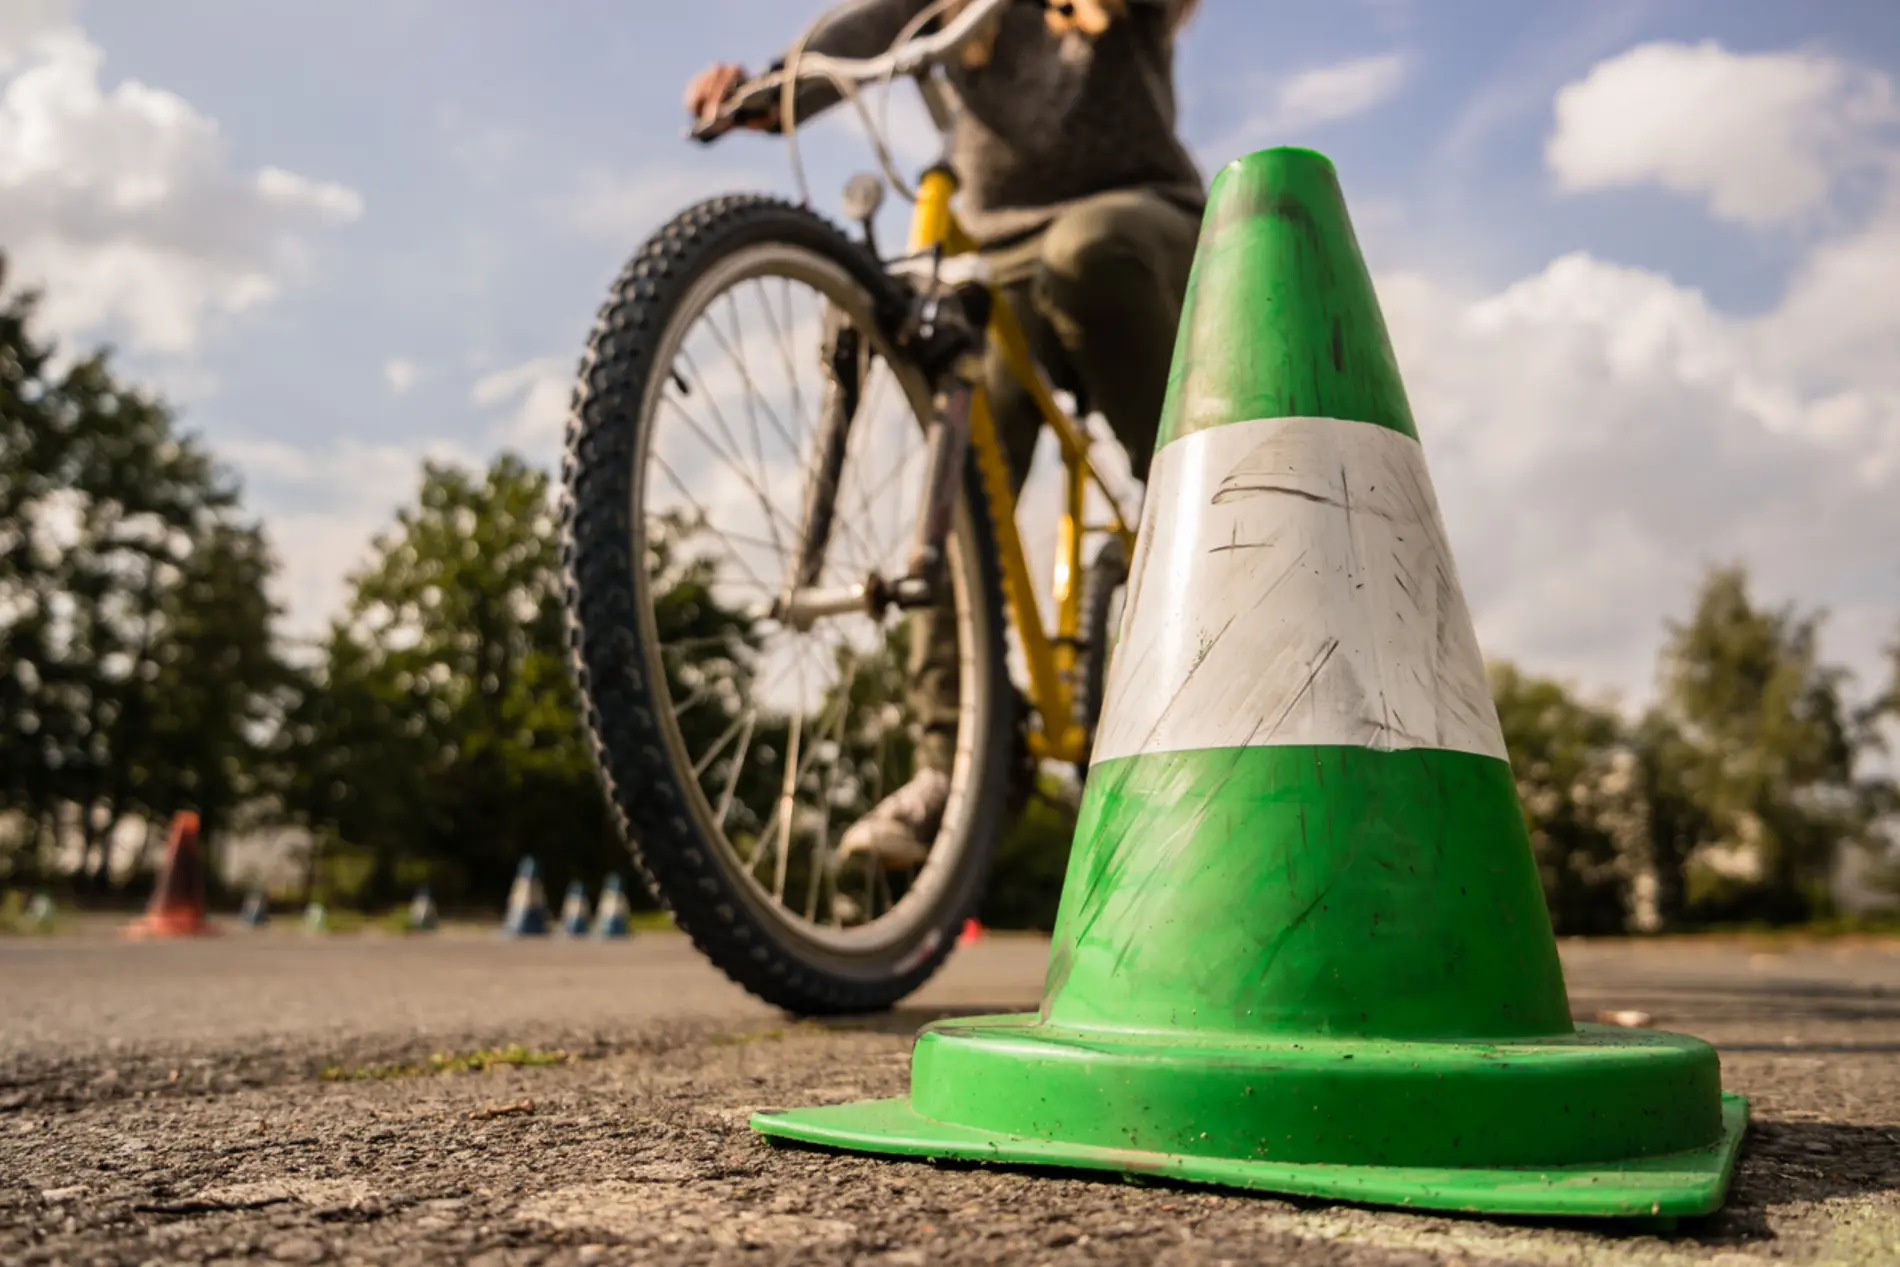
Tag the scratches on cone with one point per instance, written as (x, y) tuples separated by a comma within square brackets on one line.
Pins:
[(1306, 686), (1323, 628)]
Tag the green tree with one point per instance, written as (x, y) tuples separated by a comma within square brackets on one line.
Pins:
[(217, 680), (1881, 717), (1578, 782), (1679, 819), (440, 737), (1753, 748), (134, 625)]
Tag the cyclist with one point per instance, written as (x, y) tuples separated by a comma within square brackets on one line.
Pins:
[(1087, 205)]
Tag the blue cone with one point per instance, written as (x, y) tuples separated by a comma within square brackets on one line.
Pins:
[(610, 920), (256, 912), (527, 904), (422, 918), (574, 910)]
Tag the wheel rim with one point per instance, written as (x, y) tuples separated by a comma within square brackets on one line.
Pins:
[(745, 353)]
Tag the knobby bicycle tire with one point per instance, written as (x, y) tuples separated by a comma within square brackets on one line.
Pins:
[(691, 874)]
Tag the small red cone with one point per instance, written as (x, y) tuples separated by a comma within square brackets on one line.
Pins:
[(178, 903), (972, 931)]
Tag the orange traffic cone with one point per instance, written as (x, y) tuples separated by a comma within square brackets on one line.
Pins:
[(972, 931), (178, 903)]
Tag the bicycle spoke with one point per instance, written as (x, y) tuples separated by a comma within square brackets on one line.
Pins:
[(888, 481), (790, 734), (821, 864), (736, 456), (880, 551), (719, 745), (768, 590), (758, 852), (755, 480), (752, 392), (693, 701), (783, 337), (738, 765), (774, 517), (787, 810), (799, 450)]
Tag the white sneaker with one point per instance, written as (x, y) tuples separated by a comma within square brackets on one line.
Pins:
[(896, 833)]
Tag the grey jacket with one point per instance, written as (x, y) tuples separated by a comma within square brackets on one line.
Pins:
[(1049, 120)]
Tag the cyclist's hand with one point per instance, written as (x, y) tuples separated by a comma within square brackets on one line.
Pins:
[(709, 91)]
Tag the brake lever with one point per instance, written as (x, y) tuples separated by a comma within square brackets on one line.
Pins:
[(736, 114), (706, 131)]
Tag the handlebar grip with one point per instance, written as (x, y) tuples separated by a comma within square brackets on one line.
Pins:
[(706, 131)]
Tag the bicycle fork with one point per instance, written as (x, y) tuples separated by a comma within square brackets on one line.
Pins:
[(942, 329)]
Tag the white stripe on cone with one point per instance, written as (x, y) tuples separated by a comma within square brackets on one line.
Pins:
[(1293, 585)]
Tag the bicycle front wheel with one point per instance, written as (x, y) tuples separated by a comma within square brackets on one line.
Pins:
[(737, 747)]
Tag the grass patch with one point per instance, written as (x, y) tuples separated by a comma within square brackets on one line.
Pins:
[(778, 1033), (24, 915), (446, 1062)]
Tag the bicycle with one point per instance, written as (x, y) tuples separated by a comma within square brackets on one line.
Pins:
[(683, 633)]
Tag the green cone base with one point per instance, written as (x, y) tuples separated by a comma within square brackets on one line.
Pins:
[(1607, 1123)]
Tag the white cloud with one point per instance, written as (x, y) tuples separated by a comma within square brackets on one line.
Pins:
[(1339, 92), (1840, 321), (624, 207), (1599, 433), (1762, 138), (400, 374), (24, 22), (123, 204), (533, 398), (1310, 99), (330, 501)]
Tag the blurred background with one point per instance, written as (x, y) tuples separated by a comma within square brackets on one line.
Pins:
[(294, 293)]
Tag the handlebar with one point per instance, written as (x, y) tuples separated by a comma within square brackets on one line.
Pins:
[(754, 98)]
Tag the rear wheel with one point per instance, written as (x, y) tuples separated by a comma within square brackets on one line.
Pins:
[(736, 748)]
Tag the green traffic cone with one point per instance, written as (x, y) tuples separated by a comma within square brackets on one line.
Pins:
[(1302, 945)]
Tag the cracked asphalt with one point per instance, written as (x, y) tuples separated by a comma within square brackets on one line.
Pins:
[(167, 1103)]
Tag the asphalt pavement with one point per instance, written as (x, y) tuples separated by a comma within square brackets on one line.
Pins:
[(278, 1097)]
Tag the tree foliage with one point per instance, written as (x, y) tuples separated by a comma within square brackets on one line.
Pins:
[(1767, 749), (1578, 782), (135, 626), (440, 738), (1731, 797)]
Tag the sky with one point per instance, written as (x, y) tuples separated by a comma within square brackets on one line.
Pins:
[(1640, 259)]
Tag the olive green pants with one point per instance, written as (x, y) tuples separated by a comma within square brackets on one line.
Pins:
[(1099, 295)]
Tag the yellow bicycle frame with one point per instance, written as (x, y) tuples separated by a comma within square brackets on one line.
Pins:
[(1051, 659)]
